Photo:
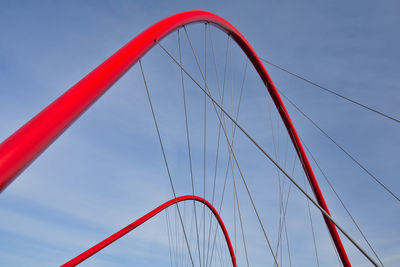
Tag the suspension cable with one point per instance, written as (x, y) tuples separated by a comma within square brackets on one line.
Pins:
[(165, 158), (189, 150), (236, 197), (204, 144), (311, 223), (221, 95), (331, 91), (341, 201), (341, 148)]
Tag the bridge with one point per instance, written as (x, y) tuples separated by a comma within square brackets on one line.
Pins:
[(219, 87)]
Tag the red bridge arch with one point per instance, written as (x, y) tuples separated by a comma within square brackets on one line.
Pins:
[(26, 144), (96, 248)]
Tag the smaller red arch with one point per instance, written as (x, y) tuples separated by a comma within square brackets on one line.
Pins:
[(109, 240)]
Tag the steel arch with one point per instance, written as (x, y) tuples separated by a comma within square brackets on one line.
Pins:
[(27, 143), (109, 240)]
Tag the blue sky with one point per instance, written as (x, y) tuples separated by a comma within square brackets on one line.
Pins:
[(107, 169)]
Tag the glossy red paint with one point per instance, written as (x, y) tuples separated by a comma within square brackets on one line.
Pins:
[(26, 144), (109, 240)]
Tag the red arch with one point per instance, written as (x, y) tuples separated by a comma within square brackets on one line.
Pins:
[(21, 148), (96, 248)]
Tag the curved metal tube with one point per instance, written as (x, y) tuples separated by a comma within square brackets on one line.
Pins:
[(96, 248), (26, 144)]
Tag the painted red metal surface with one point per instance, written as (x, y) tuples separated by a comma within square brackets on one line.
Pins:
[(109, 240), (26, 144)]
